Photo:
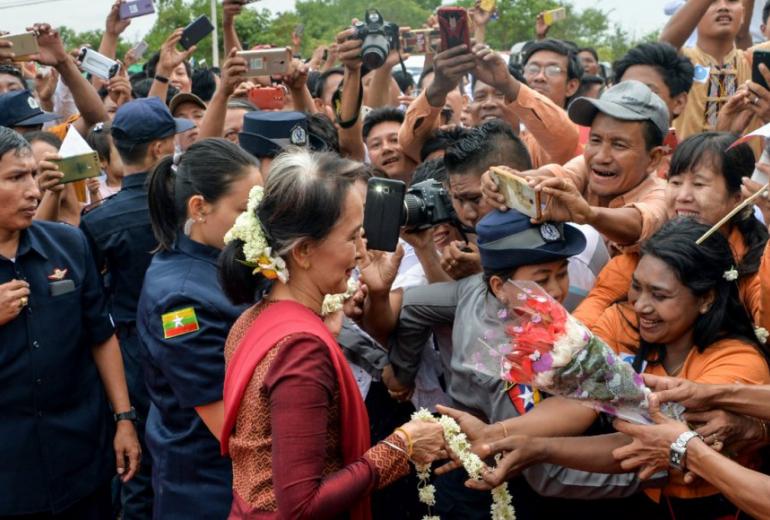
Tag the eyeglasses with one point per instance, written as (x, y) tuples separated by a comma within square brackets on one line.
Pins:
[(551, 71)]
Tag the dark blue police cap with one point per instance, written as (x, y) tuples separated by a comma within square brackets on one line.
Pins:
[(145, 120), (20, 108), (508, 240), (266, 134)]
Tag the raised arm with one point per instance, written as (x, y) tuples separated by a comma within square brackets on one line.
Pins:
[(114, 27), (683, 22), (213, 123), (349, 116), (169, 59), (231, 9), (86, 98)]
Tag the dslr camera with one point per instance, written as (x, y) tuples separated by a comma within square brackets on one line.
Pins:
[(379, 38), (426, 204), (390, 207)]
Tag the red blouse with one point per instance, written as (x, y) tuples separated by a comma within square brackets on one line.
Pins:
[(285, 448)]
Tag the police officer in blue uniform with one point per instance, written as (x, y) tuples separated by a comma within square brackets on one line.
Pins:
[(183, 321), (122, 241), (60, 363)]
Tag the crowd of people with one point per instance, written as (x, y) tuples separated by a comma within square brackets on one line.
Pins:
[(166, 346)]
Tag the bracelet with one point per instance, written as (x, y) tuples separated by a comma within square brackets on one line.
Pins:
[(390, 444), (505, 430), (161, 79), (409, 445)]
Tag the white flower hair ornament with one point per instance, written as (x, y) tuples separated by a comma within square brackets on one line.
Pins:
[(731, 275), (256, 250), (762, 334)]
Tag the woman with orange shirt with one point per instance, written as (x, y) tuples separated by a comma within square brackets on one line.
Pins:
[(704, 183), (692, 324)]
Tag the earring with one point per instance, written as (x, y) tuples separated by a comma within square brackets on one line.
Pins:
[(187, 229), (704, 310)]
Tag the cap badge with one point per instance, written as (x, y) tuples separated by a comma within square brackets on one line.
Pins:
[(32, 102), (550, 233), (298, 136)]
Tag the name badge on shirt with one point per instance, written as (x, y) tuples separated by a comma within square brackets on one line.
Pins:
[(701, 74), (61, 287)]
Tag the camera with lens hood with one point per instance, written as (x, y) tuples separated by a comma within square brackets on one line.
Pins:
[(379, 38)]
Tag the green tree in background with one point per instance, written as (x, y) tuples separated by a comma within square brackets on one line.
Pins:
[(74, 40), (323, 19)]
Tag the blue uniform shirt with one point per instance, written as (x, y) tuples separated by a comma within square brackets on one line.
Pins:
[(185, 368), (55, 424), (121, 237)]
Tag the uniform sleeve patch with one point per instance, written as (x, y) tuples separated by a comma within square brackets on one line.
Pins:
[(179, 323)]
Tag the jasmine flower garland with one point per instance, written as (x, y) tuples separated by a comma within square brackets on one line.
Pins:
[(457, 441), (333, 302), (256, 251)]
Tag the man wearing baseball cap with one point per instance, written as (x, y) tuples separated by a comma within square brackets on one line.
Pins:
[(613, 186), (121, 238), (20, 111)]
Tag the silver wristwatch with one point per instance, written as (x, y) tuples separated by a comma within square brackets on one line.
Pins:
[(679, 449)]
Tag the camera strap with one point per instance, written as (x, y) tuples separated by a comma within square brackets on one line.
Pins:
[(337, 100)]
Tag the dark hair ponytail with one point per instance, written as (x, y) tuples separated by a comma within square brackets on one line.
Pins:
[(701, 269), (208, 168), (713, 149)]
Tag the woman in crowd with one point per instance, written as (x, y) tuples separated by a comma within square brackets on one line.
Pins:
[(295, 424), (748, 489), (111, 180), (511, 247), (183, 319), (704, 183), (692, 324)]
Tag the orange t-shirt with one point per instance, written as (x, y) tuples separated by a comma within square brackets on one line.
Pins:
[(614, 280), (727, 361)]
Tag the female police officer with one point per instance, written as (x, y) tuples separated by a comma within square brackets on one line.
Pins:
[(183, 320), (59, 362)]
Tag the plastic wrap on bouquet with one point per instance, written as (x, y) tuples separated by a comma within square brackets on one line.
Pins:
[(539, 343)]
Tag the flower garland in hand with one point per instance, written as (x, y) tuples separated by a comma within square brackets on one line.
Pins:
[(457, 441), (256, 250), (334, 302)]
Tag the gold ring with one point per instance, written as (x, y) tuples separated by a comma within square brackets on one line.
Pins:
[(23, 301), (756, 100)]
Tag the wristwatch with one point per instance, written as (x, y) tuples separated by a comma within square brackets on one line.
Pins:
[(126, 416), (679, 449)]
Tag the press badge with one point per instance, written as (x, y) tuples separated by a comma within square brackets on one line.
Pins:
[(701, 74), (61, 287)]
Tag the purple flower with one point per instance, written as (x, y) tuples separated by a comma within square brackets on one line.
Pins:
[(544, 363), (502, 314), (638, 381), (610, 359)]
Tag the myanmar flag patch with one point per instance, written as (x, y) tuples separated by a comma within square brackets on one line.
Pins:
[(179, 323)]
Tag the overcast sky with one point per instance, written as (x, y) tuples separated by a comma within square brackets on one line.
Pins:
[(638, 18)]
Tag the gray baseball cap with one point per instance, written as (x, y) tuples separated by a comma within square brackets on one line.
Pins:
[(628, 101)]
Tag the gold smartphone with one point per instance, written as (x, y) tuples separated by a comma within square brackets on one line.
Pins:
[(24, 45), (519, 195), (79, 167), (267, 62)]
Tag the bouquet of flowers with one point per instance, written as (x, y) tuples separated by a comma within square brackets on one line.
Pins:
[(540, 344)]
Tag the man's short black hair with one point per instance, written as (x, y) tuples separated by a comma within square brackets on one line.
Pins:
[(381, 115), (433, 169), (574, 68), (322, 79), (492, 144), (13, 71), (204, 83), (440, 140), (141, 89), (676, 70), (404, 79), (652, 135), (591, 51), (325, 133), (766, 12), (586, 82)]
